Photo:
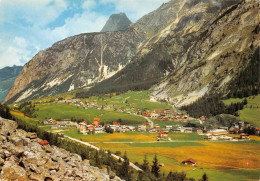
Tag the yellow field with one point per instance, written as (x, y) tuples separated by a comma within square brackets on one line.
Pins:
[(120, 136), (217, 156)]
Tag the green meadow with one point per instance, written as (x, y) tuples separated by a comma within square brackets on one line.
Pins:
[(65, 111), (251, 111), (137, 99)]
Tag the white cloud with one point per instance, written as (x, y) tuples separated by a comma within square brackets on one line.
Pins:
[(135, 9), (14, 54), (89, 4), (79, 23), (33, 12)]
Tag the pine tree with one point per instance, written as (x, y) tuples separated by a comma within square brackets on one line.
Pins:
[(204, 177), (125, 167), (145, 165), (155, 168), (97, 160)]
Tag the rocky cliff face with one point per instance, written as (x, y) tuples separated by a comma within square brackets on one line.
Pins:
[(23, 158), (7, 78), (117, 22), (75, 62), (216, 58), (177, 27)]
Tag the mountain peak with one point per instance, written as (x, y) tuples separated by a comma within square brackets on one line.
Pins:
[(117, 22)]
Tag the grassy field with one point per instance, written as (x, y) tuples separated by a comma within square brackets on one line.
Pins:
[(33, 121), (251, 112), (221, 161), (140, 98), (65, 111)]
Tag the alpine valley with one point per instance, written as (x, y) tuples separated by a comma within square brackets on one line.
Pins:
[(172, 96)]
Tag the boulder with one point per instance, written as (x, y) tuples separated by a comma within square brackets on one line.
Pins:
[(2, 161), (31, 135), (36, 177), (11, 171), (7, 126)]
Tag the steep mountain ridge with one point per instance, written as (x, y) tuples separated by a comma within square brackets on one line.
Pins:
[(218, 56), (117, 22), (75, 62), (7, 78), (166, 51)]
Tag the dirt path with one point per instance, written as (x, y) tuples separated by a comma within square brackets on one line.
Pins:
[(97, 148)]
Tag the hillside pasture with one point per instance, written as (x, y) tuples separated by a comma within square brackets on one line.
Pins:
[(65, 111)]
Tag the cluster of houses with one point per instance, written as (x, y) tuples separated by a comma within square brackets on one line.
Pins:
[(164, 114), (59, 124), (222, 132), (96, 127)]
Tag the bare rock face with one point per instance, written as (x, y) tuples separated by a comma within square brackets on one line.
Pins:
[(28, 160), (117, 22), (75, 62)]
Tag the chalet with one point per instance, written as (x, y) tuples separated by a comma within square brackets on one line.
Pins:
[(62, 125), (154, 115), (218, 132), (133, 103), (90, 129), (131, 128), (114, 127), (157, 127), (163, 134), (200, 131), (145, 109), (141, 128), (209, 136), (224, 127), (96, 121), (133, 108), (122, 109), (54, 127), (98, 130), (203, 118), (165, 119), (115, 123), (190, 162), (244, 136), (257, 130), (233, 130), (146, 114), (168, 113), (168, 127)]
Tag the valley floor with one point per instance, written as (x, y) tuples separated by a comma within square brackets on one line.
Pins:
[(220, 160)]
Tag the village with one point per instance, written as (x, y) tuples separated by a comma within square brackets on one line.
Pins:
[(166, 115)]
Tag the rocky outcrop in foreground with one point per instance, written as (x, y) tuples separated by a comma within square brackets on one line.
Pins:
[(23, 158)]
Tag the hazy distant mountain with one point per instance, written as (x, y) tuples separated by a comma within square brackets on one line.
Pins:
[(7, 78), (117, 22)]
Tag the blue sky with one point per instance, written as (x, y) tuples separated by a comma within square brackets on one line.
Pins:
[(28, 26)]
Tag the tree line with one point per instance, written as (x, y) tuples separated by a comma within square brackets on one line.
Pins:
[(211, 105)]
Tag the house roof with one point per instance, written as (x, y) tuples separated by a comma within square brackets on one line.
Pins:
[(97, 119), (162, 132), (190, 160), (115, 123)]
